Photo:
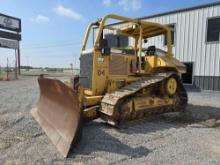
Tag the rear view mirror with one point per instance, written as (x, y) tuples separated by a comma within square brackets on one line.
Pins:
[(106, 51), (103, 43)]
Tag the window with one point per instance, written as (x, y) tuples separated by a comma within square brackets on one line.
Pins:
[(213, 30), (116, 40), (172, 35)]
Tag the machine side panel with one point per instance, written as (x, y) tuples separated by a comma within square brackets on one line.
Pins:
[(118, 66)]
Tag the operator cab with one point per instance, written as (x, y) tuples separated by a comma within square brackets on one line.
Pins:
[(130, 47)]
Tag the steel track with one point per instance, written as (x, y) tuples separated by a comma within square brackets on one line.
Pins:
[(112, 101)]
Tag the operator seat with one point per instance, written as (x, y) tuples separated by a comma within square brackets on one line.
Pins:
[(151, 50)]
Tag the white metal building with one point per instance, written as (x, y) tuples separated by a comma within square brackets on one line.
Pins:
[(196, 42)]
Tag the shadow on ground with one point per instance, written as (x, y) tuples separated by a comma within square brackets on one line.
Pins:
[(97, 136)]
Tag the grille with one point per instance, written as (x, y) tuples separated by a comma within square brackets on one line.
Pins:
[(118, 66), (86, 67)]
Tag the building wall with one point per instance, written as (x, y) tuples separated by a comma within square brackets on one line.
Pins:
[(191, 46)]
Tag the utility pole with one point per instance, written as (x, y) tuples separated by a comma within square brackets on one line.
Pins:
[(71, 66), (7, 76), (19, 61), (16, 65)]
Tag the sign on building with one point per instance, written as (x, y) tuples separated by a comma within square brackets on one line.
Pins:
[(10, 23), (10, 29), (13, 44), (10, 39)]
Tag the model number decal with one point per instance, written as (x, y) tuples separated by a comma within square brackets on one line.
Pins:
[(100, 60)]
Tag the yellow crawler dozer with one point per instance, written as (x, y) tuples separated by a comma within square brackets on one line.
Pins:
[(117, 83)]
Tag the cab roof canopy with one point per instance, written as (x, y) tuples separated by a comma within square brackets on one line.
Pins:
[(149, 29)]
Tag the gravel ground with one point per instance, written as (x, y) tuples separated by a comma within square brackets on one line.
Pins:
[(174, 138)]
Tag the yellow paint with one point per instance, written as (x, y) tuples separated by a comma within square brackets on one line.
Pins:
[(171, 86), (141, 103), (102, 81), (90, 113), (91, 100)]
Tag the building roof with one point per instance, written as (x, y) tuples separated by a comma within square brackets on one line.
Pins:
[(177, 11), (182, 10)]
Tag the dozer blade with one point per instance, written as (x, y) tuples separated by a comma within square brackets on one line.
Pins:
[(58, 113)]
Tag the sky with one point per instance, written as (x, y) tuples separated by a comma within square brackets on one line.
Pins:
[(53, 30)]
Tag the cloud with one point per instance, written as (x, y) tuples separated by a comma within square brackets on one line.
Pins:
[(66, 12), (130, 5), (107, 3), (40, 19)]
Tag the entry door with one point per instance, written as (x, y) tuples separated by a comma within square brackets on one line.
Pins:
[(187, 78)]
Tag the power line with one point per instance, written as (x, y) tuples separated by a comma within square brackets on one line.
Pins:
[(51, 43), (55, 45)]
